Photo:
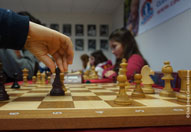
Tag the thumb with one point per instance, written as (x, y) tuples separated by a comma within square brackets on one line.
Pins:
[(48, 62)]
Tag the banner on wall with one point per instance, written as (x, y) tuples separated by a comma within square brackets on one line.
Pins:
[(154, 12), (142, 15)]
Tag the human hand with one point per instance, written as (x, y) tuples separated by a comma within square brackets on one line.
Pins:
[(109, 73), (42, 41)]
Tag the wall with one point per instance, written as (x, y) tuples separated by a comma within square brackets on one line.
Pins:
[(79, 19), (117, 22), (169, 41)]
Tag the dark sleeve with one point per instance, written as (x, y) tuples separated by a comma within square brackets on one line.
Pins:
[(13, 29)]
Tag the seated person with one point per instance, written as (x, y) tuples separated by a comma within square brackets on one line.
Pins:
[(14, 61), (123, 45), (100, 61), (85, 60)]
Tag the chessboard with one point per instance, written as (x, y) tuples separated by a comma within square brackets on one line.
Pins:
[(87, 106)]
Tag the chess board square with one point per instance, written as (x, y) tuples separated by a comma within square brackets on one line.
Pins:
[(29, 99), (16, 91), (105, 93), (74, 86), (42, 89), (91, 104), (108, 85), (111, 97), (93, 87), (15, 94), (115, 90), (38, 91), (67, 93), (96, 89), (100, 90), (3, 103), (58, 98), (134, 104), (90, 84), (176, 101), (146, 96), (21, 105), (58, 104), (83, 94), (111, 87), (43, 86), (153, 102), (83, 98), (80, 90), (25, 88), (27, 85), (34, 94)]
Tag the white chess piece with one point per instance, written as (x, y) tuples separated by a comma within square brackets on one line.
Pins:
[(147, 81)]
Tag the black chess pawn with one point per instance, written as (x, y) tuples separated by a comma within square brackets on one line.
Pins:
[(15, 83), (57, 85), (3, 93)]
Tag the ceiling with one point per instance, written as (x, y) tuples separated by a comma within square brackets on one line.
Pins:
[(62, 6)]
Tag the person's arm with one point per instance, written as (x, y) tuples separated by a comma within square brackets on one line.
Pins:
[(39, 40), (135, 64), (13, 29), (16, 64), (109, 73)]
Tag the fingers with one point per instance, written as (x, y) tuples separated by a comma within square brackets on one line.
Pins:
[(70, 54), (48, 62), (68, 46), (65, 64), (61, 62)]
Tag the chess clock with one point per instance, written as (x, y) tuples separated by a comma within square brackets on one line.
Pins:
[(73, 78)]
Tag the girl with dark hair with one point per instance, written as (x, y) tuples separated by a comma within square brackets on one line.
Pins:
[(123, 45), (85, 59), (100, 61)]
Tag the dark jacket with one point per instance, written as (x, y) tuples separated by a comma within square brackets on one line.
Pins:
[(13, 29)]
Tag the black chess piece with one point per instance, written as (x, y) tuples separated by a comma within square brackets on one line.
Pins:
[(57, 85), (15, 83), (3, 93)]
